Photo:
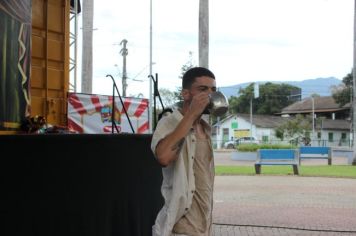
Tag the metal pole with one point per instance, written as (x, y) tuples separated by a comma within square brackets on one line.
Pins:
[(113, 109), (313, 115), (251, 116), (73, 59), (150, 90), (354, 89), (351, 114), (218, 140), (87, 54), (124, 53), (204, 33)]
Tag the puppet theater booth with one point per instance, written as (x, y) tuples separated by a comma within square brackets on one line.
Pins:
[(89, 184), (65, 184)]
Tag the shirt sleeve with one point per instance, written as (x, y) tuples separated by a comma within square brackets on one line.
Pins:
[(162, 130)]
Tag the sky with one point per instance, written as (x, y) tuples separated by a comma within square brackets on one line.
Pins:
[(249, 41)]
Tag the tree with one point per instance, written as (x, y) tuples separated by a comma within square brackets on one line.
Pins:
[(342, 93), (297, 128), (188, 65), (168, 97), (273, 98)]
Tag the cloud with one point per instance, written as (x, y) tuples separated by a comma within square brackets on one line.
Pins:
[(254, 40)]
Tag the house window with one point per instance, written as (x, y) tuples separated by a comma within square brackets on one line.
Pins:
[(265, 138), (225, 134), (331, 137), (343, 137), (319, 135)]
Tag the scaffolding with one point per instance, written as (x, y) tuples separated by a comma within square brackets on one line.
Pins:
[(73, 45)]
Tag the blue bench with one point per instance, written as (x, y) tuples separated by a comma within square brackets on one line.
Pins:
[(309, 152), (277, 157)]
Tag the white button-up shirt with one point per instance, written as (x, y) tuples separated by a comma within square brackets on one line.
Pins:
[(178, 184)]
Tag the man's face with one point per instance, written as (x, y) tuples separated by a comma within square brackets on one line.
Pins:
[(203, 84)]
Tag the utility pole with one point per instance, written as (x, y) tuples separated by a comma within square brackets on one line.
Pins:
[(313, 117), (354, 90), (124, 53), (150, 113), (87, 55), (204, 33)]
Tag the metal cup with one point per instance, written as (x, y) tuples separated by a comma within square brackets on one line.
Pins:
[(219, 104)]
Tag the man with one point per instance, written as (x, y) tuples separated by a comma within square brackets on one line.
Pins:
[(182, 144)]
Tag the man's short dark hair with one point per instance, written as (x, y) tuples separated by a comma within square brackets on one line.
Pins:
[(190, 75)]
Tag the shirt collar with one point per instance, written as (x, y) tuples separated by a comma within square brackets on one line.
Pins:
[(179, 116)]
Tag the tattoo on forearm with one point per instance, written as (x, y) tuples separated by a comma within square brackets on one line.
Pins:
[(178, 145)]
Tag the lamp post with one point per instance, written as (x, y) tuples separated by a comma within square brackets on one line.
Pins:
[(251, 126), (354, 91), (150, 117), (313, 116)]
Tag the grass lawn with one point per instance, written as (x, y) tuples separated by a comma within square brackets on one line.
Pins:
[(341, 171)]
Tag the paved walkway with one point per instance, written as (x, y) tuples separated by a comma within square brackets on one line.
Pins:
[(283, 205)]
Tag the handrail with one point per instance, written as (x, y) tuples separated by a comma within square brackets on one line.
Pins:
[(156, 94), (113, 124)]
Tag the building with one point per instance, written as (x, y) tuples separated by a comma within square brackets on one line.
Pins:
[(239, 125), (333, 133), (321, 106), (332, 121), (332, 125)]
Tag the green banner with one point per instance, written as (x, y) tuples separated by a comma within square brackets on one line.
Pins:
[(234, 125)]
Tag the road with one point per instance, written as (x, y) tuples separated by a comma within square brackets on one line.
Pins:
[(283, 205)]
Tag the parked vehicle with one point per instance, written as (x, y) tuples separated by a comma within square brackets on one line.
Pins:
[(233, 143)]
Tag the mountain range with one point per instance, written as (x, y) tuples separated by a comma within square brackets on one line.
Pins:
[(321, 86)]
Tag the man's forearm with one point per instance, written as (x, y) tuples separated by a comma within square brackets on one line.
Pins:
[(168, 149)]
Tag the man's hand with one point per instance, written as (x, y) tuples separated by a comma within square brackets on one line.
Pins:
[(199, 103)]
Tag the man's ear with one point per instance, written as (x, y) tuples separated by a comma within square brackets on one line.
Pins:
[(185, 94)]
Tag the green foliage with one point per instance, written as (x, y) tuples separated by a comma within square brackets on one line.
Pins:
[(188, 65), (178, 96), (279, 133), (297, 127), (253, 147), (273, 98), (247, 147), (168, 97), (329, 171), (342, 94)]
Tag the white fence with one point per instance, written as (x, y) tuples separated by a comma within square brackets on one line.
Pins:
[(346, 143)]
